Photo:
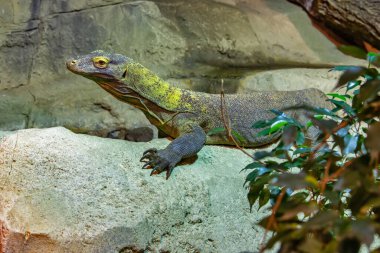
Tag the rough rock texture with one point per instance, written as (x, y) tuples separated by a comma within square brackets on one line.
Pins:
[(86, 109), (66, 192), (290, 79), (194, 41), (356, 21)]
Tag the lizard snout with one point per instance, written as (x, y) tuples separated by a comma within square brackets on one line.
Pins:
[(71, 62), (72, 65)]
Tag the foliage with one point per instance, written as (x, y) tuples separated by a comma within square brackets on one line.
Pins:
[(324, 194)]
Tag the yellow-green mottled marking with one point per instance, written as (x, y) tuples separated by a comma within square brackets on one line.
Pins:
[(154, 89)]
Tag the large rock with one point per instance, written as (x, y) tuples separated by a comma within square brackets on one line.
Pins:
[(65, 192), (178, 39)]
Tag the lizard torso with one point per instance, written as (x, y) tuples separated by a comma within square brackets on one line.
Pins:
[(171, 109)]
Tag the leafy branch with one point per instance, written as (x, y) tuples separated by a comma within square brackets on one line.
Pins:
[(325, 195)]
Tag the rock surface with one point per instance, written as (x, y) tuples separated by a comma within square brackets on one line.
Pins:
[(178, 39), (85, 109), (290, 79), (66, 192)]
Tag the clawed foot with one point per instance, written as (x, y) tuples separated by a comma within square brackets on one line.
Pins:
[(157, 161)]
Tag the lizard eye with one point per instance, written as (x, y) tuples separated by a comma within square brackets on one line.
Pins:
[(100, 62)]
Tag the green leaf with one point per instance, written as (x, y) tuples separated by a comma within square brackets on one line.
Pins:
[(309, 124), (262, 123), (253, 166), (372, 57), (216, 130), (300, 139), (352, 84), (264, 197), (253, 193), (251, 177), (342, 68), (264, 132), (276, 126), (271, 163), (324, 111), (344, 106), (257, 172), (296, 163), (339, 96), (261, 154)]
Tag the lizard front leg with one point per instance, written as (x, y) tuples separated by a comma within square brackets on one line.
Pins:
[(186, 145)]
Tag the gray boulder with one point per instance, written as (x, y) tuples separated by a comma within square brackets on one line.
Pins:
[(66, 192)]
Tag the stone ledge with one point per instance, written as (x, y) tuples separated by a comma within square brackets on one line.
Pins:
[(66, 192)]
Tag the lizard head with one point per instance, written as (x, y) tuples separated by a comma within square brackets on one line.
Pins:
[(125, 79), (100, 66)]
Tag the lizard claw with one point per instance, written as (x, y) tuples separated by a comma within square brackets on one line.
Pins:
[(169, 171), (146, 156), (159, 161), (150, 151), (148, 164), (156, 170)]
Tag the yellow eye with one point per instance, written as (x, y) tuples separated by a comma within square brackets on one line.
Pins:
[(100, 62)]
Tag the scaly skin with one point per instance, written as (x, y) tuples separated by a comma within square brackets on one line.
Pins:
[(187, 115)]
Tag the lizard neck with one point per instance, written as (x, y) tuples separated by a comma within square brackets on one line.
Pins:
[(156, 114), (156, 90)]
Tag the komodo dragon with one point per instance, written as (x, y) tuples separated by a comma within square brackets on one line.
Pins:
[(188, 115)]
